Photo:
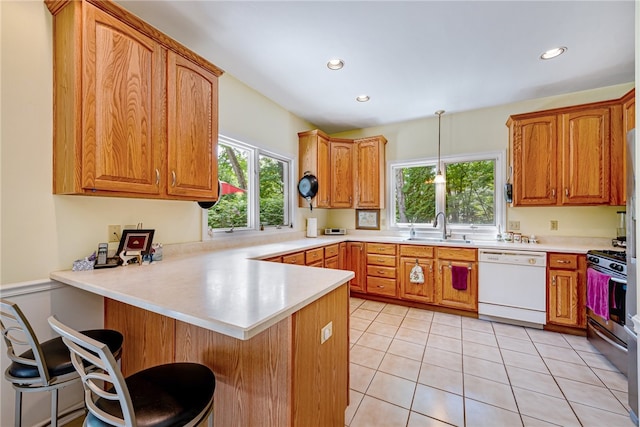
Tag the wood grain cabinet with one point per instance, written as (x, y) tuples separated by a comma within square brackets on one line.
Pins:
[(356, 262), (125, 111), (446, 294), (570, 156), (332, 256), (350, 172), (370, 172), (381, 269), (410, 256), (566, 290), (314, 257)]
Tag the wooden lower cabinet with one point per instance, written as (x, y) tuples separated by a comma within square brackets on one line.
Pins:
[(283, 376), (381, 269), (356, 263), (410, 255), (295, 258), (446, 294), (566, 290)]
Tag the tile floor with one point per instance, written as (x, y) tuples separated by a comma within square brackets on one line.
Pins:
[(412, 367)]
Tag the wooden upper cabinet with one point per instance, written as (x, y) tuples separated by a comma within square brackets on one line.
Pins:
[(571, 156), (534, 149), (585, 157), (341, 165), (370, 172), (118, 89), (314, 154), (193, 133), (629, 111)]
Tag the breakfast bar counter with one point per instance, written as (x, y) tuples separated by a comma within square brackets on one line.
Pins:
[(258, 325)]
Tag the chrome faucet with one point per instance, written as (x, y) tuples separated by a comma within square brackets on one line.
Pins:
[(444, 224)]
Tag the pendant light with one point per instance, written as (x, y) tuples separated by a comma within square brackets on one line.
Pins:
[(439, 177)]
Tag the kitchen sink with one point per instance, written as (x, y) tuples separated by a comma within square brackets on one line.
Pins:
[(438, 240)]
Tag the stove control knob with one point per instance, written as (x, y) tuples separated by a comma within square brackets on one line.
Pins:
[(593, 259), (616, 267)]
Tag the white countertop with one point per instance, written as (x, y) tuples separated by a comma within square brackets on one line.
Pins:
[(224, 291), (233, 293)]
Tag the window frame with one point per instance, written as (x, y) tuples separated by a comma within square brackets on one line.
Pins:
[(481, 231), (253, 184)]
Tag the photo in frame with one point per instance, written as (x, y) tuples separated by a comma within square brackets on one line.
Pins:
[(136, 241), (368, 219)]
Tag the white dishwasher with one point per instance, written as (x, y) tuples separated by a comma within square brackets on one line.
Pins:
[(512, 286)]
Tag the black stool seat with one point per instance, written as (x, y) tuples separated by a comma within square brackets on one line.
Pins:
[(56, 354), (165, 395)]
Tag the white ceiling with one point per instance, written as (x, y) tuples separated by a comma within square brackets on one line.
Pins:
[(412, 58)]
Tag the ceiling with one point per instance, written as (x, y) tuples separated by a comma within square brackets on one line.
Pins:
[(412, 58)]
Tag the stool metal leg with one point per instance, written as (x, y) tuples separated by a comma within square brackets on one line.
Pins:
[(18, 414), (54, 407)]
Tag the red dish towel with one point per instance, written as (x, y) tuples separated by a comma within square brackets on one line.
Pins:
[(598, 292), (459, 277)]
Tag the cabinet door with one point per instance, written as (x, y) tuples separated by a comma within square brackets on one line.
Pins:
[(585, 157), (447, 295), (356, 263), (563, 298), (122, 120), (370, 173), (535, 155), (422, 292), (629, 111), (192, 157), (331, 262), (341, 166)]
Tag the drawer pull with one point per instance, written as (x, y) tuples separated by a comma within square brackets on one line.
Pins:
[(563, 261), (380, 286), (380, 272)]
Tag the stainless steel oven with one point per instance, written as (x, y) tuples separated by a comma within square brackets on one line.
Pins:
[(606, 330)]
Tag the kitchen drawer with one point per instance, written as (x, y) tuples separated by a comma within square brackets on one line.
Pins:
[(297, 258), (378, 285), (314, 255), (458, 254), (381, 248), (415, 251), (274, 259), (566, 261), (331, 250), (374, 270), (387, 260)]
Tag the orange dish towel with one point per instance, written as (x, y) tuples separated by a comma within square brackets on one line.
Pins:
[(459, 277)]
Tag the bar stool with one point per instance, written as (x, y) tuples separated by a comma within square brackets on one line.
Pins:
[(43, 366), (174, 394)]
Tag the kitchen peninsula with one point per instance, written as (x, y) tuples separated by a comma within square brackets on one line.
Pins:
[(257, 325)]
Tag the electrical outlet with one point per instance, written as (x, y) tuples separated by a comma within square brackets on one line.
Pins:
[(553, 224), (514, 225), (114, 232), (326, 332)]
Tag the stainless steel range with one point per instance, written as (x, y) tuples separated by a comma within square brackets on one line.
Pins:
[(605, 322)]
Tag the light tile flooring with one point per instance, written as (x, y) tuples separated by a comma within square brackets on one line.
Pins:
[(412, 367)]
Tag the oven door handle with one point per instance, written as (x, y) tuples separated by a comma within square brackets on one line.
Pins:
[(605, 338), (621, 281)]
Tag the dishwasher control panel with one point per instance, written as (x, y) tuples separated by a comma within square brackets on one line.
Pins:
[(538, 259)]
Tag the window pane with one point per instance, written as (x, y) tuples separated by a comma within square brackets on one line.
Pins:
[(272, 191), (415, 194), (471, 192), (233, 170)]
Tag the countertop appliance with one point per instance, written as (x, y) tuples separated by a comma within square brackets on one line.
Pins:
[(512, 286)]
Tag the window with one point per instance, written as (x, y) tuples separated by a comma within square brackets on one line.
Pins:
[(471, 195), (255, 188)]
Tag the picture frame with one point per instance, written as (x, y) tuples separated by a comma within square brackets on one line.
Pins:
[(136, 242), (367, 219)]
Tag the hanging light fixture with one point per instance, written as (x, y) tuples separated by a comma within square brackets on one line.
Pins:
[(439, 177)]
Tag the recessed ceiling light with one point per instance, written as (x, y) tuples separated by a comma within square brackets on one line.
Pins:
[(362, 98), (335, 64), (552, 53)]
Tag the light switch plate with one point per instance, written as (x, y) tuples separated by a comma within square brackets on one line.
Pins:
[(553, 224), (514, 225)]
